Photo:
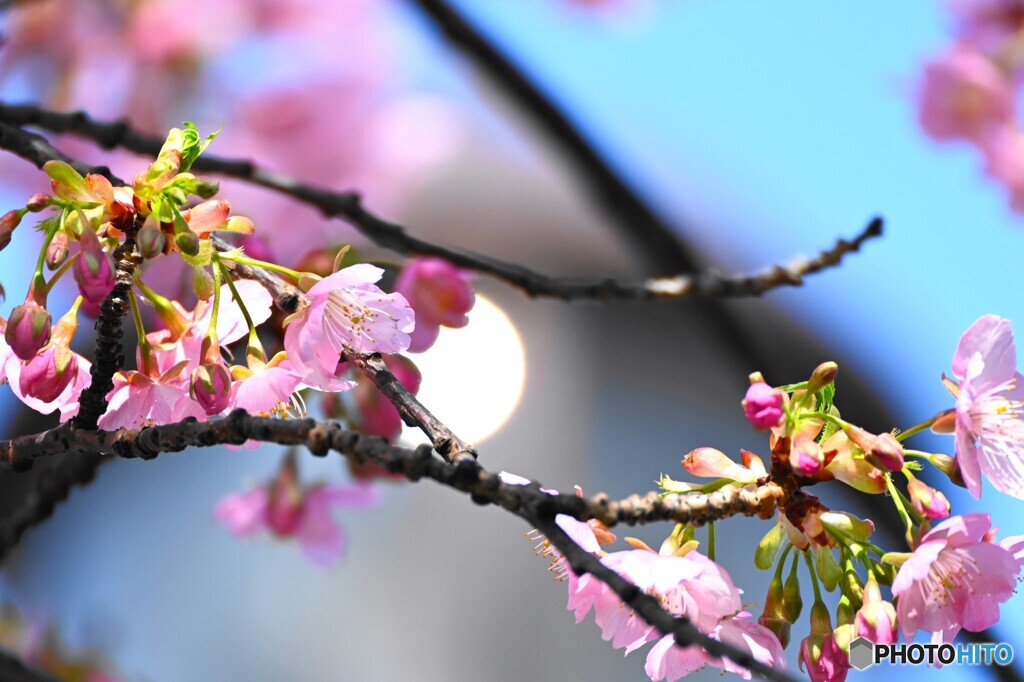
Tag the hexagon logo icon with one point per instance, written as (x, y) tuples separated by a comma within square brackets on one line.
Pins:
[(862, 653)]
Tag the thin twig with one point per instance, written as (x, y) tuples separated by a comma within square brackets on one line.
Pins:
[(12, 669), (349, 207)]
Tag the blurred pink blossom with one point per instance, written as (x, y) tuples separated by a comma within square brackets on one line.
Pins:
[(964, 95)]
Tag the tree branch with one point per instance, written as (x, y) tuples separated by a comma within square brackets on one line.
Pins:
[(349, 207), (13, 670), (526, 501), (18, 454)]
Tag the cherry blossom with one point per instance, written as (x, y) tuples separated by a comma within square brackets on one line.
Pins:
[(287, 509), (347, 310), (989, 408), (956, 578)]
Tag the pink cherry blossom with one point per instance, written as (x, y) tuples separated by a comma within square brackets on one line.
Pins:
[(955, 579), (347, 310), (303, 513), (666, 661), (266, 391), (691, 585), (927, 501), (138, 400), (989, 408), (1004, 161), (964, 96)]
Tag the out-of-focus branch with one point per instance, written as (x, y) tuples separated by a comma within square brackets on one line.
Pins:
[(349, 207), (13, 670), (50, 488)]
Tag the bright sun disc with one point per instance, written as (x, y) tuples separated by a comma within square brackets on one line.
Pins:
[(473, 377)]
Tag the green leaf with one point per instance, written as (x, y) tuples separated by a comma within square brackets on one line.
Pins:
[(203, 255)]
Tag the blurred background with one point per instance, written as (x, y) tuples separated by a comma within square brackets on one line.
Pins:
[(758, 131)]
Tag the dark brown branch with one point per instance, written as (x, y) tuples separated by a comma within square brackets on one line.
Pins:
[(18, 454), (109, 350), (413, 413), (349, 207), (287, 297), (647, 607), (527, 501)]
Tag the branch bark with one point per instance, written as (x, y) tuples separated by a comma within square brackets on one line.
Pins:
[(348, 206)]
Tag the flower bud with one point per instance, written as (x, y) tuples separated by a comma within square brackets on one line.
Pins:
[(151, 240), (851, 587), (949, 466), (37, 202), (211, 387), (94, 269), (779, 626), (438, 292), (202, 283), (845, 613), (884, 449), (824, 658), (8, 222), (876, 619), (792, 602), (822, 376), (57, 251), (47, 374), (821, 621), (927, 501), (187, 242), (806, 456), (28, 329), (828, 569), (762, 406)]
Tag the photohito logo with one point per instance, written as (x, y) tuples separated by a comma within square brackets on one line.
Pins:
[(864, 654)]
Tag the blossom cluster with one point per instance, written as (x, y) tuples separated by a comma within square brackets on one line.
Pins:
[(185, 366), (969, 92), (954, 575)]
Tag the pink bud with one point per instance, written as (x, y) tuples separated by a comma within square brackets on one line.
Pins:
[(57, 251), (824, 659), (37, 202), (806, 456), (927, 501), (47, 374), (28, 329), (438, 291), (8, 222), (208, 216), (94, 269), (883, 449), (91, 308), (211, 387), (876, 619), (763, 406)]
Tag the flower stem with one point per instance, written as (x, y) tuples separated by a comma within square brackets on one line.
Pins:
[(273, 267), (38, 279), (814, 576), (711, 540), (145, 350), (916, 428), (897, 499), (254, 346), (61, 271)]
